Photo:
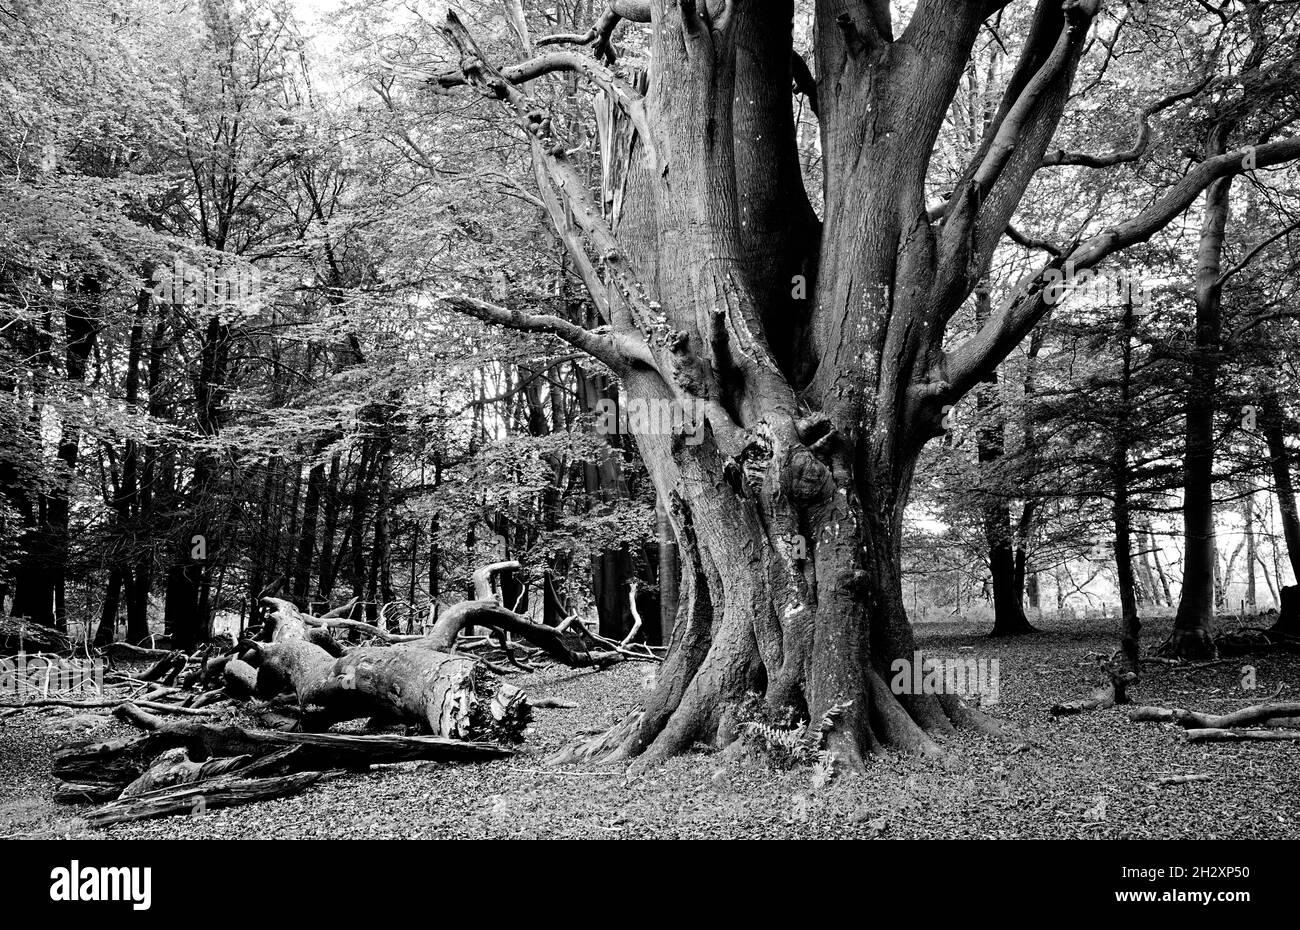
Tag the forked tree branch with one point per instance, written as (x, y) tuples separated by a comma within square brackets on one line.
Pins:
[(1140, 145), (600, 36)]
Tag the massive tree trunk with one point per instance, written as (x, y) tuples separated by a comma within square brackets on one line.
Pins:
[(1192, 637), (812, 357)]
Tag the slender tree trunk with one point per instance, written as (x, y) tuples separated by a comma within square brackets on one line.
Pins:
[(330, 529), (1008, 610), (1252, 555), (307, 537), (1192, 636), (1279, 460), (1130, 625)]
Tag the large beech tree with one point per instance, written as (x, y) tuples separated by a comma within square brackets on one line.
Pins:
[(816, 345)]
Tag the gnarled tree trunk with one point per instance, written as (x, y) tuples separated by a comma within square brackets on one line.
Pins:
[(810, 353)]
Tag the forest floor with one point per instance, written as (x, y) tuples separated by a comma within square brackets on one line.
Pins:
[(1091, 776)]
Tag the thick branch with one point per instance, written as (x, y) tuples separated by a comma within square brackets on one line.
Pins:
[(604, 347), (1139, 147)]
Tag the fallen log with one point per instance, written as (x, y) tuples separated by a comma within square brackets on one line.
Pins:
[(174, 767), (166, 669), (85, 792), (118, 762), (320, 750), (18, 634), (227, 791), (1122, 676), (447, 695), (112, 703), (240, 677), (132, 653), (568, 648), (1214, 735), (1181, 780), (112, 762), (1188, 719)]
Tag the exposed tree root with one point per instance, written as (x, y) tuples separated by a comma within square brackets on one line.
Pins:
[(1191, 645), (893, 726)]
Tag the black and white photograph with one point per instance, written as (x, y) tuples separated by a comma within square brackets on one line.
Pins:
[(648, 420)]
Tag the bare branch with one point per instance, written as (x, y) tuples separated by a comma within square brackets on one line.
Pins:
[(1139, 147), (971, 361), (600, 36), (604, 347)]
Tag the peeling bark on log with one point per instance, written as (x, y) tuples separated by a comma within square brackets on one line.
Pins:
[(192, 799), (448, 695), (320, 750), (173, 767), (166, 669), (180, 753), (116, 762), (85, 793)]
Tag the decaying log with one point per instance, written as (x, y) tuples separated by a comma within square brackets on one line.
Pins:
[(226, 791), (1100, 699), (166, 669), (1121, 675), (130, 653), (118, 762), (320, 750), (1181, 780), (112, 703), (1188, 719), (1213, 735), (447, 695), (72, 792), (570, 647), (173, 767), (240, 677)]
